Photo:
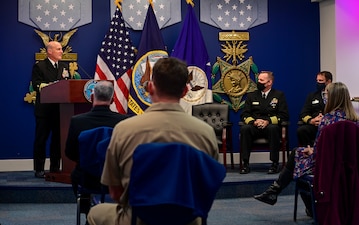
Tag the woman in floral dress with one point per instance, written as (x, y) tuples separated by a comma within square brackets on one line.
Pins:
[(302, 160)]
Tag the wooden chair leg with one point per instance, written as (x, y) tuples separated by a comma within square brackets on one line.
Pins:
[(230, 146), (224, 152), (224, 147)]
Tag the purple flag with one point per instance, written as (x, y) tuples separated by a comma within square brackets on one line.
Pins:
[(190, 47)]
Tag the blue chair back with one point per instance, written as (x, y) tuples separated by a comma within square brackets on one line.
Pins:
[(93, 145), (172, 183)]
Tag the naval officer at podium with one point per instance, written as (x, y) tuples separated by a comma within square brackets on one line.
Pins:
[(47, 116)]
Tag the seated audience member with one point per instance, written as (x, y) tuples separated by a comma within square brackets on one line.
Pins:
[(312, 111), (100, 115), (263, 111), (302, 161), (164, 121)]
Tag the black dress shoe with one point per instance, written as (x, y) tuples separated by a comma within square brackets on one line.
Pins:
[(270, 195), (245, 169), (270, 199), (40, 174), (274, 168)]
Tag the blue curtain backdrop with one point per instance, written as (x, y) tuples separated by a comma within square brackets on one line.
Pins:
[(288, 45)]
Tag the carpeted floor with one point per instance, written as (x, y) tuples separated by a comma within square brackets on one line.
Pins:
[(25, 200), (241, 211)]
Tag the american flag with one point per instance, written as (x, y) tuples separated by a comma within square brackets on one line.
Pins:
[(115, 60)]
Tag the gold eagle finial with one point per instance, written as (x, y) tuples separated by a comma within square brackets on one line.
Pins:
[(62, 40)]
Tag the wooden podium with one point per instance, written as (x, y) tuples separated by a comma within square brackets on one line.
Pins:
[(70, 96)]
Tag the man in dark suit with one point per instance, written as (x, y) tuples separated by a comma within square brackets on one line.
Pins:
[(311, 113), (100, 115), (263, 111), (47, 115)]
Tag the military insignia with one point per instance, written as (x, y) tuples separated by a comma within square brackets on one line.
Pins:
[(65, 73), (198, 84), (142, 73), (63, 39), (88, 89), (234, 50), (234, 82), (235, 78), (274, 102), (222, 14), (167, 12)]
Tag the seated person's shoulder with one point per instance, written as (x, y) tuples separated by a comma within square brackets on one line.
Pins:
[(79, 116), (314, 94), (252, 94), (278, 92)]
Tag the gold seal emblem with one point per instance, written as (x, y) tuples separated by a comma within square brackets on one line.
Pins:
[(198, 84), (235, 82)]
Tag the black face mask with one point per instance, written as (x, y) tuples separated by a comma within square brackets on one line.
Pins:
[(320, 86), (260, 86)]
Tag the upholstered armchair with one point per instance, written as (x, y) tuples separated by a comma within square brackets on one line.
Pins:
[(217, 115)]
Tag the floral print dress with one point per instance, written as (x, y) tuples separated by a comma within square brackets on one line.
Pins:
[(304, 164)]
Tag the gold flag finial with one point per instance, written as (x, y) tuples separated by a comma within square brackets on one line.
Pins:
[(118, 4), (190, 2), (151, 3)]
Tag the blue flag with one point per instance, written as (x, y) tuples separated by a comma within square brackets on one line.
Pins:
[(190, 47), (151, 48)]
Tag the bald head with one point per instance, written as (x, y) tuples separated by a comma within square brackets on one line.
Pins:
[(54, 51)]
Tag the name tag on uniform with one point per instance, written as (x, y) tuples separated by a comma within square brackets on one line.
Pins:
[(316, 101), (255, 103)]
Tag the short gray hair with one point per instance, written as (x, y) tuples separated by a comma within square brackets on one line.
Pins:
[(103, 90)]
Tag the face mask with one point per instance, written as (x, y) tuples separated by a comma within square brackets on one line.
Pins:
[(320, 86), (325, 97), (260, 86)]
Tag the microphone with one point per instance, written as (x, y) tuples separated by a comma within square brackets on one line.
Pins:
[(82, 69)]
